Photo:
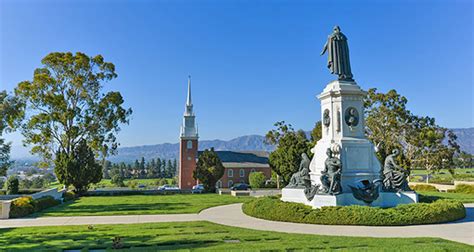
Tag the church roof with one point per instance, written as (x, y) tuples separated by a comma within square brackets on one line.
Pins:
[(243, 159)]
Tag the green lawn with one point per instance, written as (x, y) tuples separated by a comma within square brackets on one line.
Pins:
[(204, 236), (140, 204), (431, 196)]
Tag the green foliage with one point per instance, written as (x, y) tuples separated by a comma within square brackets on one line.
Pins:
[(69, 195), (464, 188), (257, 180), (11, 112), (12, 185), (209, 169), (390, 125), (65, 104), (117, 180), (79, 168), (24, 206), (317, 132), (285, 160), (271, 208), (21, 207), (133, 184), (423, 188), (45, 202)]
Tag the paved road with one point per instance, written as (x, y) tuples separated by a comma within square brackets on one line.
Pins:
[(232, 215)]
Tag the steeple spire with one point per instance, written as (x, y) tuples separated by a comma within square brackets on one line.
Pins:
[(189, 129), (188, 100)]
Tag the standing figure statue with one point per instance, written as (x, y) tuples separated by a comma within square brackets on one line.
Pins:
[(338, 55), (301, 177), (331, 175), (394, 177)]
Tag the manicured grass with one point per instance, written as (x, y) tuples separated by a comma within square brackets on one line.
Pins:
[(203, 236), (140, 204), (431, 196)]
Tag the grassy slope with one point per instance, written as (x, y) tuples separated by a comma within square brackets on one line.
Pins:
[(140, 204), (202, 236)]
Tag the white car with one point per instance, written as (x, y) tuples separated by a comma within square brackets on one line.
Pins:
[(168, 188)]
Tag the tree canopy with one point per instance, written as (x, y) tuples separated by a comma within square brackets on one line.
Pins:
[(286, 158), (209, 169), (11, 111), (66, 104)]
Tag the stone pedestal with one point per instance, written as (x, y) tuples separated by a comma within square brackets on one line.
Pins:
[(385, 199), (340, 101)]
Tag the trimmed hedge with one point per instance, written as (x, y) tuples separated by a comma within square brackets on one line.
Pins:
[(272, 208), (424, 188), (24, 206)]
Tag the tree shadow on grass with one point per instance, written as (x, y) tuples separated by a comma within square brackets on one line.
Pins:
[(113, 209)]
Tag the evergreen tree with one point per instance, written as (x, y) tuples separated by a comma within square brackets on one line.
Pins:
[(209, 169), (169, 169), (142, 168)]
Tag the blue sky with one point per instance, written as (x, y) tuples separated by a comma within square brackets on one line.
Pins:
[(252, 62)]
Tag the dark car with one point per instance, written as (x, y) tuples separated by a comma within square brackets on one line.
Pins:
[(240, 187)]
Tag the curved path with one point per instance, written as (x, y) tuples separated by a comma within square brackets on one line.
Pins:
[(232, 215)]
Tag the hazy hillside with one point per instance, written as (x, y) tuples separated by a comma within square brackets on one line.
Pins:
[(465, 139), (250, 143), (170, 151)]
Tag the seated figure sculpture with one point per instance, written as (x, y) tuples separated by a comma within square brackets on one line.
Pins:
[(331, 175), (301, 177), (394, 177)]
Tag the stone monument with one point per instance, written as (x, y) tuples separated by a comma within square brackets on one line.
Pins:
[(345, 169)]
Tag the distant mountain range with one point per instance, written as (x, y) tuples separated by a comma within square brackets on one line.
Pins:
[(243, 143), (171, 151)]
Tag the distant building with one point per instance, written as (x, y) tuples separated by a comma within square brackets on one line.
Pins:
[(238, 164)]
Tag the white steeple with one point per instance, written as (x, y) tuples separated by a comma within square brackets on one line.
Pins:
[(189, 129)]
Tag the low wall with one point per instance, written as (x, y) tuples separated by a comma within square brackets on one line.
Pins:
[(102, 192)]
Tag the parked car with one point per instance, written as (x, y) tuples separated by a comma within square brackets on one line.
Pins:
[(141, 186), (199, 188), (168, 188), (240, 187)]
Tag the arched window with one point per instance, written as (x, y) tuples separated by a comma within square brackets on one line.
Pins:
[(189, 144), (230, 183), (242, 173), (253, 170), (219, 184), (230, 173)]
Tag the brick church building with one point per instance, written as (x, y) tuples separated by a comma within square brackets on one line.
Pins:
[(238, 164)]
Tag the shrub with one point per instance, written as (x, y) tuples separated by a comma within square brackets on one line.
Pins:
[(464, 177), (424, 188), (22, 206), (271, 208), (45, 202), (70, 195), (257, 179), (12, 185), (464, 188), (447, 180), (133, 184)]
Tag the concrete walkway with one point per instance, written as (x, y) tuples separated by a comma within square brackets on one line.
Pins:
[(232, 215)]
